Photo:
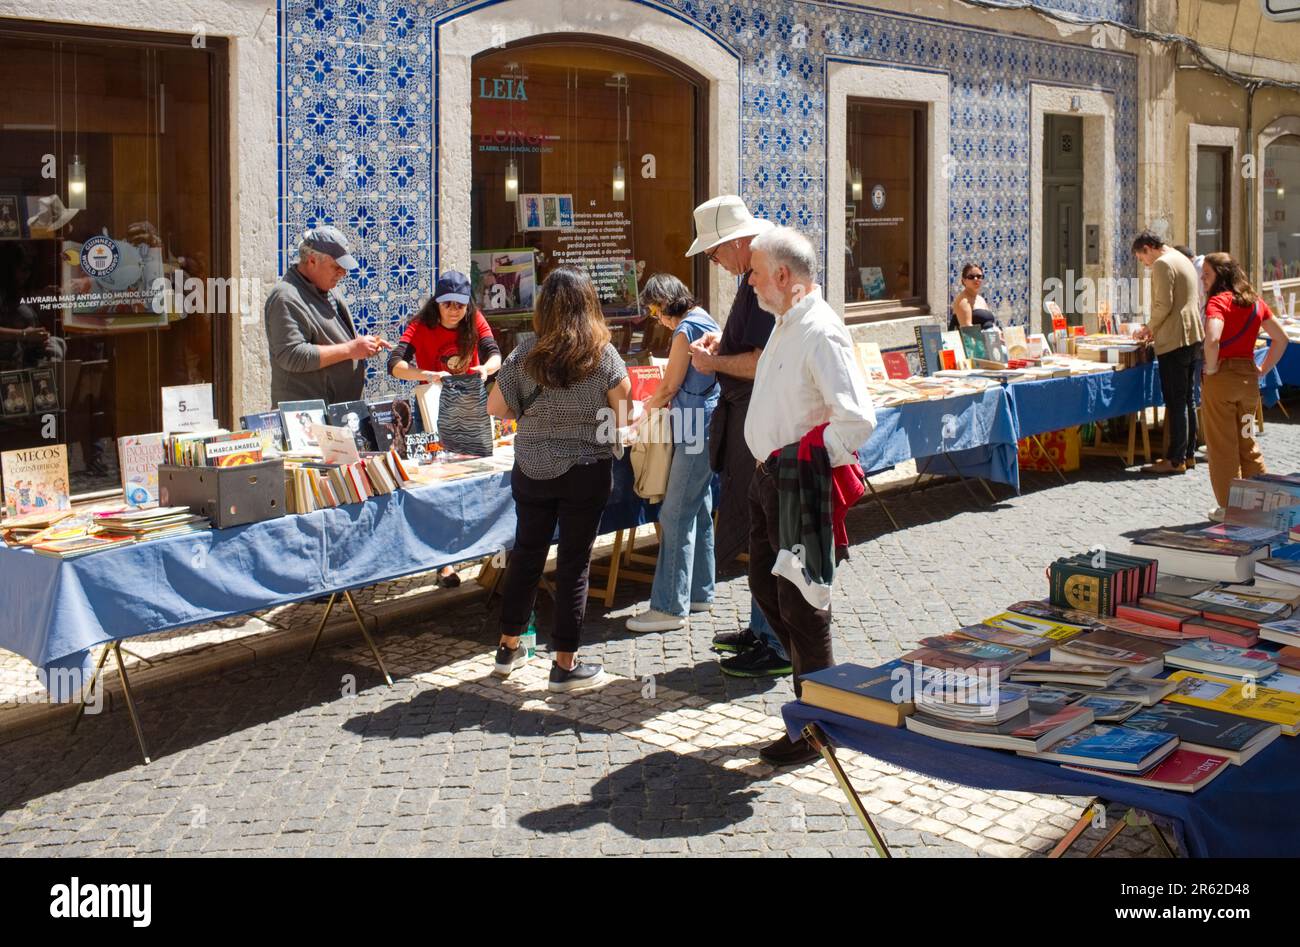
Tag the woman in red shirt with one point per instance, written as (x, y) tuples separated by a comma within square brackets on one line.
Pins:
[(449, 336), (1234, 314)]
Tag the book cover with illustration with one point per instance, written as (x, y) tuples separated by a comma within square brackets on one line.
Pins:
[(35, 480), (138, 457)]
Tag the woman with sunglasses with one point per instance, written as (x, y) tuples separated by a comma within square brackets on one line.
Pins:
[(970, 308)]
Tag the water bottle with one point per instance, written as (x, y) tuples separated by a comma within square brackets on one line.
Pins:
[(529, 638)]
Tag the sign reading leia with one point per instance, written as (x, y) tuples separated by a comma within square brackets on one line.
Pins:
[(1281, 9)]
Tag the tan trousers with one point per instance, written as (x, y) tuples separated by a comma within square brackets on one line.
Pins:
[(1229, 401)]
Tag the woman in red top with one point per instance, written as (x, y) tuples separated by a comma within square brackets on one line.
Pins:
[(449, 336), (1234, 314)]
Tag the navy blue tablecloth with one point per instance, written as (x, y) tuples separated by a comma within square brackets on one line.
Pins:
[(1056, 403), (1247, 811), (1270, 385), (977, 432)]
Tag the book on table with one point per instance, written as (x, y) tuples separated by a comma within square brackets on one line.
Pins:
[(1200, 557), (1030, 730), (867, 693), (1149, 610), (1285, 631), (1222, 632), (1132, 654), (1107, 747), (269, 427), (1058, 672), (1110, 709), (1245, 700), (138, 457), (298, 418), (1032, 644), (1181, 586), (1236, 608), (1222, 660), (1047, 628), (1146, 691), (1246, 534), (1283, 679), (1053, 615), (354, 417), (1207, 731), (1136, 629), (1183, 770), (35, 481), (80, 546)]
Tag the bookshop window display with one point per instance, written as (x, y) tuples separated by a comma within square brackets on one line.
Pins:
[(1282, 209), (110, 183), (584, 154), (884, 211)]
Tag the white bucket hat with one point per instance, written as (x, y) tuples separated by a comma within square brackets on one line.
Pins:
[(721, 219), (52, 214)]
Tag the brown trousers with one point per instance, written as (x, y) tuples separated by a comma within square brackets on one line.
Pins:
[(1229, 401)]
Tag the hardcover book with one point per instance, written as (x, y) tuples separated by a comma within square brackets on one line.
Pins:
[(269, 427), (929, 343), (354, 417), (862, 692), (138, 457), (298, 418)]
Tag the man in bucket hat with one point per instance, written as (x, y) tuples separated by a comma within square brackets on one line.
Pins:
[(314, 346), (724, 229)]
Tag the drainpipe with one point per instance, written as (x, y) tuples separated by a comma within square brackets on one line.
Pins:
[(1256, 271)]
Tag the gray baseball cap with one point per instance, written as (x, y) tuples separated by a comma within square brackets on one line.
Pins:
[(331, 242)]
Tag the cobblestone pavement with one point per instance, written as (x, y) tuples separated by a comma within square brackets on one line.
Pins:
[(288, 757)]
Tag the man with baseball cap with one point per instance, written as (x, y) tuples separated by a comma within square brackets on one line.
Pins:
[(724, 229), (314, 346)]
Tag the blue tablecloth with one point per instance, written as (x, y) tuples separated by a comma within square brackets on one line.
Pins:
[(1270, 385), (1288, 368), (1056, 403), (1247, 811), (978, 432)]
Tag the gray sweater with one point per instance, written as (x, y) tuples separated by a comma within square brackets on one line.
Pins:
[(299, 319)]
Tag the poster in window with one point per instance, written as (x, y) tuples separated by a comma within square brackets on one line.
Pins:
[(550, 212), (15, 394), (503, 280), (45, 392), (616, 284), (11, 219), (112, 284), (565, 202), (873, 281), (529, 209)]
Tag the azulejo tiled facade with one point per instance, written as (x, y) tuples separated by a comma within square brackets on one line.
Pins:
[(356, 127)]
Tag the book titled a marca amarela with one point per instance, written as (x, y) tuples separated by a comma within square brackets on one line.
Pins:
[(35, 480)]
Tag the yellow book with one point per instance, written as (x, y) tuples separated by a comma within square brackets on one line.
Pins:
[(1034, 626), (1267, 704)]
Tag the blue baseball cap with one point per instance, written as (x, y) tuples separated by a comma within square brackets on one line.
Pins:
[(452, 287), (331, 242)]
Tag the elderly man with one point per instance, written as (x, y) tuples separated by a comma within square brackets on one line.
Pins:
[(315, 350), (724, 229), (1176, 328), (805, 378)]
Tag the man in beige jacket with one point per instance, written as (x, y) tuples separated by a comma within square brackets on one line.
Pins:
[(1175, 327)]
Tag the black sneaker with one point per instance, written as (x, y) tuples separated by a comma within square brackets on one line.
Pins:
[(449, 581), (758, 661), (582, 677), (735, 641), (787, 752), (508, 659)]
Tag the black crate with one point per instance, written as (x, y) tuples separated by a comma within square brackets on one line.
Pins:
[(228, 496)]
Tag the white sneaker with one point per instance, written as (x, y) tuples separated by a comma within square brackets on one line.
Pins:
[(701, 606), (1217, 515), (651, 620)]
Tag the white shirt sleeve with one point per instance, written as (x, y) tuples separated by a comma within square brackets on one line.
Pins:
[(845, 391)]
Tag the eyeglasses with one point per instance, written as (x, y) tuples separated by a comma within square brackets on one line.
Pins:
[(712, 255)]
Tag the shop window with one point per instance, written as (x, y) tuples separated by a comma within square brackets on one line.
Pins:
[(583, 154), (1281, 209), (1212, 177), (884, 212), (109, 183)]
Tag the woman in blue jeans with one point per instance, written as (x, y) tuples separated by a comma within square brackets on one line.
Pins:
[(684, 573)]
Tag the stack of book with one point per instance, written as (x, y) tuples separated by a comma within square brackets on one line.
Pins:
[(218, 448), (1097, 583), (1268, 501), (316, 485), (157, 523), (1031, 720), (1199, 556)]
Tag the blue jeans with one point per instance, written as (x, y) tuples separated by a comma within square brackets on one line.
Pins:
[(763, 630), (684, 572)]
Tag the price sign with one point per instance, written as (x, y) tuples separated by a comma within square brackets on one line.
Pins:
[(187, 408)]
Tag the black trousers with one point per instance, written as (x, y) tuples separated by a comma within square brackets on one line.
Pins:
[(573, 501), (805, 631), (1177, 385)]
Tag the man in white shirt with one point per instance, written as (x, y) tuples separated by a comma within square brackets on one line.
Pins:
[(806, 376)]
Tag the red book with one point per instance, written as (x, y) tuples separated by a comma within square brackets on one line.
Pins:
[(896, 365), (1182, 771), (645, 379), (1288, 656), (1152, 613), (1225, 633)]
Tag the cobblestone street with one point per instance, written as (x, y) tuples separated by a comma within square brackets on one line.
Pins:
[(277, 757)]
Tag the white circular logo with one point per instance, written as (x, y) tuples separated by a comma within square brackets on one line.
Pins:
[(878, 197), (99, 257)]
